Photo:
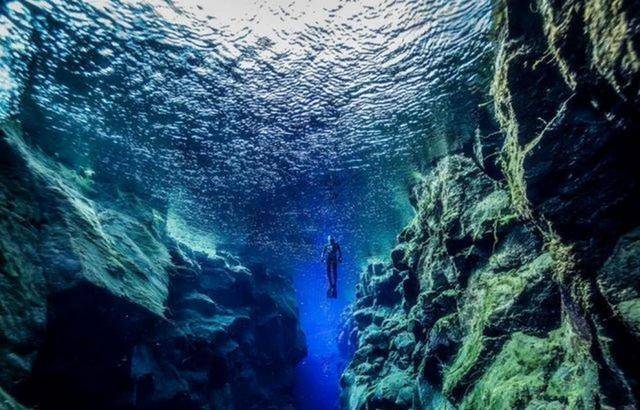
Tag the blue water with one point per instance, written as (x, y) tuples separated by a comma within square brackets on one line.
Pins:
[(258, 126), (318, 375), (317, 385)]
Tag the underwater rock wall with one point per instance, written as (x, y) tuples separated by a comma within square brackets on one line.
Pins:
[(520, 289), (100, 309)]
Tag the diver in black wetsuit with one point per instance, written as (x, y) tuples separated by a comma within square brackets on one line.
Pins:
[(333, 255)]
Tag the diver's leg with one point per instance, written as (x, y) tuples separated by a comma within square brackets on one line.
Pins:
[(334, 277), (329, 290), (334, 273)]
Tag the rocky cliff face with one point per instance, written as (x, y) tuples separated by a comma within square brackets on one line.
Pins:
[(516, 285), (100, 309)]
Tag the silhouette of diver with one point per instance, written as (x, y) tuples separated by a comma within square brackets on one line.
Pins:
[(333, 255)]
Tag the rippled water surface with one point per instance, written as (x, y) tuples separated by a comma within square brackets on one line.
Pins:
[(258, 120), (262, 125)]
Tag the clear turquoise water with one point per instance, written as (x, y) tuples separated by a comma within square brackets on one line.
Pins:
[(260, 126)]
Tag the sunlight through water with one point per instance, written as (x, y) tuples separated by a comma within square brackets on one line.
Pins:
[(263, 125)]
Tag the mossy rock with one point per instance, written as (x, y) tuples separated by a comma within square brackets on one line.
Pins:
[(8, 403), (497, 304), (533, 373), (619, 278)]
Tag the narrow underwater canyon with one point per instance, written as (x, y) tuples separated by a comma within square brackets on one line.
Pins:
[(169, 172)]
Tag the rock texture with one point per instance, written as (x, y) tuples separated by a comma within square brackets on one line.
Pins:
[(516, 285), (100, 309)]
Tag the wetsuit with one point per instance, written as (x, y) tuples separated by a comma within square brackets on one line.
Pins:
[(334, 255)]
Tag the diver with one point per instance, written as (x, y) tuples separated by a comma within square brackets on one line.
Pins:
[(333, 255)]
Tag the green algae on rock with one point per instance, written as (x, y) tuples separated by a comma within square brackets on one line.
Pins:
[(480, 278), (521, 292), (8, 403), (540, 373), (619, 276)]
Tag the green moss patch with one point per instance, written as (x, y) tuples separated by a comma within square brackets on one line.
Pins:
[(538, 373)]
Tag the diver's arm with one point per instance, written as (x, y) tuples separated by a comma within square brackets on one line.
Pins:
[(324, 252), (339, 252)]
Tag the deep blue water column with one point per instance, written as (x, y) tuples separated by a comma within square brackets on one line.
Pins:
[(318, 376)]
